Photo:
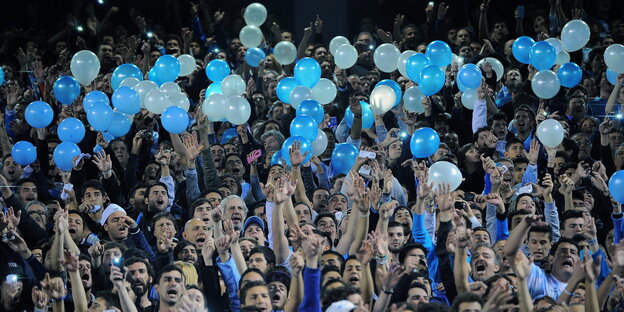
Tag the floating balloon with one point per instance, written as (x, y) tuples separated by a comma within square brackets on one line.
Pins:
[(319, 145), (304, 126), (170, 88), (233, 85), (299, 94), (124, 71), (337, 42), (250, 36), (313, 109), (395, 87), (542, 55), (575, 35), (167, 68), (368, 119), (215, 106), (307, 72), (556, 43), (71, 130), (217, 70), (306, 147), (120, 125), (94, 97), (180, 100), (469, 97), (285, 52), (214, 88), (238, 111), (346, 56), (66, 89), (614, 58), (550, 133), (444, 172), (439, 53), (129, 82), (155, 101), (24, 153), (570, 75), (386, 56), (424, 142), (521, 49), (612, 76), (415, 64), (412, 100), (174, 119), (126, 100), (255, 14), (143, 87), (39, 114), (100, 116), (545, 84), (402, 62), (85, 66), (324, 91), (562, 58), (382, 99), (187, 64), (254, 56), (343, 158), (460, 86), (153, 76), (470, 75), (64, 154), (284, 89), (616, 186), (431, 80)]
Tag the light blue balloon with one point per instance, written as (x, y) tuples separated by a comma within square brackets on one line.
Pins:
[(542, 55), (313, 109), (521, 49), (470, 76), (570, 75), (66, 89), (124, 71), (167, 68), (276, 159), (94, 97), (284, 87), (461, 86), (213, 88), (24, 153), (431, 80), (439, 53), (305, 147), (612, 76), (175, 119), (153, 76), (39, 114), (424, 142), (64, 154), (228, 135), (120, 125), (254, 56), (126, 100), (307, 72), (616, 186), (304, 126), (71, 130), (368, 119), (415, 65), (395, 87), (217, 70), (100, 116), (343, 158), (1, 75)]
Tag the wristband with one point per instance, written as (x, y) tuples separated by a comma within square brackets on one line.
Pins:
[(567, 292), (389, 292)]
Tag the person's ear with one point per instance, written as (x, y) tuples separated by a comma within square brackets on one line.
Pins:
[(105, 226), (550, 258), (145, 201)]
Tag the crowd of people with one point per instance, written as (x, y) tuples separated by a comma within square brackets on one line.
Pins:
[(207, 220)]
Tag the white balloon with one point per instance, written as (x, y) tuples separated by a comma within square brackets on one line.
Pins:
[(238, 111), (180, 100), (412, 100), (445, 172), (468, 98), (575, 35), (156, 101), (386, 56), (300, 94), (336, 42), (319, 144), (285, 52), (402, 62), (459, 60), (550, 133), (187, 65), (614, 58), (545, 84), (497, 66), (556, 43), (143, 87), (346, 56), (255, 14), (250, 36), (215, 106), (85, 66), (562, 57), (129, 82), (233, 85), (170, 88), (324, 91), (382, 99)]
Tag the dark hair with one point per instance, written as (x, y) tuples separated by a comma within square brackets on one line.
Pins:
[(337, 294), (496, 116), (198, 202), (539, 229), (135, 188), (325, 214), (111, 245), (409, 247), (148, 265), (166, 215), (465, 297), (422, 286), (21, 181), (248, 286), (475, 136), (569, 214), (112, 300), (337, 254), (563, 240), (95, 184), (512, 141), (268, 253), (330, 268), (149, 188), (249, 271), (166, 269)]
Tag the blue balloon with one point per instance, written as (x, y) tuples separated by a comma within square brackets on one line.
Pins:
[(415, 65), (570, 75), (228, 135), (304, 126), (64, 154), (254, 56), (217, 70), (94, 97), (213, 88), (71, 130), (305, 147), (343, 157), (460, 86), (124, 71), (431, 80), (307, 72), (100, 116), (616, 186), (395, 87), (284, 87), (439, 53), (311, 108), (175, 119), (368, 119), (120, 125), (167, 68), (126, 100), (276, 159), (521, 49), (543, 55), (66, 89), (470, 76), (153, 76), (24, 153), (39, 114), (424, 142), (612, 76), (1, 75)]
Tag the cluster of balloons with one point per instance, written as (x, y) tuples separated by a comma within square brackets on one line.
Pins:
[(345, 55), (305, 128), (224, 100), (306, 84), (426, 69), (255, 15)]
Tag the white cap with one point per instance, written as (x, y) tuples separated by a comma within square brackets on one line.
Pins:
[(341, 306), (112, 208)]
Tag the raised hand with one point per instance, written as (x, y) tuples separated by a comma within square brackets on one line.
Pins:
[(70, 261), (424, 188), (13, 218), (387, 209), (318, 24), (53, 287), (39, 298), (102, 161), (533, 153), (208, 250), (522, 265), (296, 158), (364, 254), (392, 277), (192, 147), (444, 197), (163, 157), (379, 243), (284, 190), (296, 262)]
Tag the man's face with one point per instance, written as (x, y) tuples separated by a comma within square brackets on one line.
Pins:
[(402, 216), (319, 200), (329, 260), (256, 232), (28, 192), (217, 154), (76, 227), (188, 254), (196, 232), (139, 278), (214, 198), (395, 149), (99, 305), (93, 196), (234, 166), (138, 200), (514, 150), (483, 263), (415, 259), (116, 226), (157, 199), (271, 144), (170, 287), (279, 295), (577, 108), (616, 139), (417, 295), (258, 297), (173, 46), (246, 246), (566, 259), (230, 183), (513, 79), (258, 261), (120, 151), (396, 239), (109, 254), (352, 274), (480, 237), (327, 224), (539, 245), (230, 149), (572, 227), (462, 36), (235, 211), (203, 212), (519, 169), (84, 268), (164, 226), (303, 214), (337, 203), (484, 138)]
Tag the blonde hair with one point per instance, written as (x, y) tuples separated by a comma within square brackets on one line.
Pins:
[(190, 273)]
